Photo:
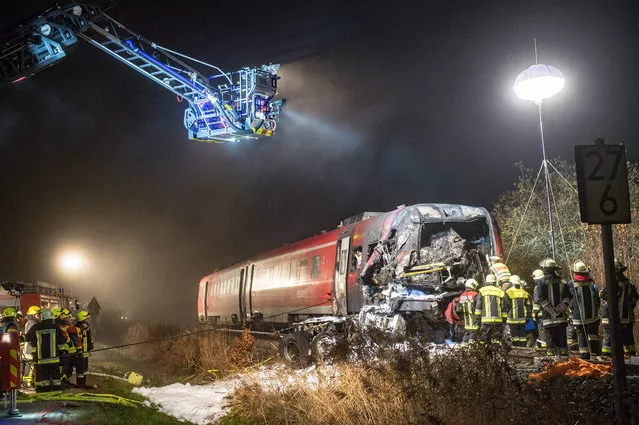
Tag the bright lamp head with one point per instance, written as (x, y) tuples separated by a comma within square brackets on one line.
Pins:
[(539, 82)]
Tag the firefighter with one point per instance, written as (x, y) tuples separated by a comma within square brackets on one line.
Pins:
[(520, 311), (501, 271), (541, 337), (627, 299), (466, 309), (56, 315), (84, 329), (584, 307), (9, 324), (33, 317), (491, 305), (67, 346), (44, 337), (20, 320), (554, 299)]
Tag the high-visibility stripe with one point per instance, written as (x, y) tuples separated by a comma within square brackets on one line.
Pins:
[(49, 361)]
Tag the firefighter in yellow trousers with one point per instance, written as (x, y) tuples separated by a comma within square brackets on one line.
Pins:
[(520, 311), (492, 306)]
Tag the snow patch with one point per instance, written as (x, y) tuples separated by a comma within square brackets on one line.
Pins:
[(200, 404), (205, 404)]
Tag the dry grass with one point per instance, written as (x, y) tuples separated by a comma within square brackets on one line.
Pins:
[(207, 355), (407, 384)]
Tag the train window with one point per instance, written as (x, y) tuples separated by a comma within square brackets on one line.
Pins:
[(315, 270), (294, 275), (356, 258), (301, 274), (343, 261)]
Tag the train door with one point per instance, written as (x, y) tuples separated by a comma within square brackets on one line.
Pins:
[(246, 283), (341, 275), (203, 300)]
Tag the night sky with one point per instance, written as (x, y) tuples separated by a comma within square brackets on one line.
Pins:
[(390, 102)]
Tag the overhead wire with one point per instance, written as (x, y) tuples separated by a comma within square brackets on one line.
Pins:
[(532, 193), (561, 231)]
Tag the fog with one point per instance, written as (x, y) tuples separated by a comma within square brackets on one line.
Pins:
[(389, 103)]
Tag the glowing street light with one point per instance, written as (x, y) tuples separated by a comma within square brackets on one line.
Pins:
[(535, 84), (539, 82), (72, 262)]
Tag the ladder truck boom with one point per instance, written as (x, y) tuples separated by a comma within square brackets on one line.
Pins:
[(225, 107)]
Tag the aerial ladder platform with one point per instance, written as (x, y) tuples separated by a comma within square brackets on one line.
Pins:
[(224, 107)]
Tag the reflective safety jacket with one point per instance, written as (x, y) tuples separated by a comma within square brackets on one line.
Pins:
[(521, 306), (627, 299), (584, 305), (554, 299), (492, 304), (84, 332), (535, 300), (501, 272), (466, 309), (44, 337), (27, 345), (70, 335)]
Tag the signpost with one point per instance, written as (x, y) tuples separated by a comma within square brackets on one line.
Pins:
[(602, 181)]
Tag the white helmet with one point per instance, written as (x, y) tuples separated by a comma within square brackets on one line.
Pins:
[(471, 284), (515, 280)]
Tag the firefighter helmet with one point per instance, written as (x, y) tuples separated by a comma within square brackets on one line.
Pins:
[(515, 280), (471, 284), (537, 274), (34, 309), (9, 312), (64, 313), (496, 259), (56, 312), (524, 284), (548, 263), (490, 279), (619, 267), (580, 267), (83, 315), (46, 314)]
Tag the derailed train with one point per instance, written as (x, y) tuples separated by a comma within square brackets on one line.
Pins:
[(419, 255)]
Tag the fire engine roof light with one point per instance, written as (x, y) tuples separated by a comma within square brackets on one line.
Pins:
[(539, 82)]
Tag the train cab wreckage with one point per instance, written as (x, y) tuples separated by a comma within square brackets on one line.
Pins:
[(224, 107), (395, 271)]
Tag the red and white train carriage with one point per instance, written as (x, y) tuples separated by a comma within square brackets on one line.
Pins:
[(319, 275)]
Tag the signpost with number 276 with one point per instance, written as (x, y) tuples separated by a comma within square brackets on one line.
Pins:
[(602, 180)]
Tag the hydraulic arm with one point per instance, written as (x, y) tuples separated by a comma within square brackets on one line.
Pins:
[(225, 107)]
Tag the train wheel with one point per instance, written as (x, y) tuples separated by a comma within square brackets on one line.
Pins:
[(321, 345), (295, 350)]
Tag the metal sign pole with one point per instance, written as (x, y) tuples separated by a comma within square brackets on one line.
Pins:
[(604, 198), (618, 363)]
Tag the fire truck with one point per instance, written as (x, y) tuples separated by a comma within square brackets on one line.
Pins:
[(22, 295)]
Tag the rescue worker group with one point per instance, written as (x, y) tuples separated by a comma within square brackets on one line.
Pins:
[(53, 345), (559, 315)]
